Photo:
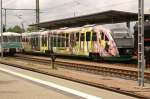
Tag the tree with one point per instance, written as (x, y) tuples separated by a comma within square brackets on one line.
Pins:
[(31, 29), (16, 29)]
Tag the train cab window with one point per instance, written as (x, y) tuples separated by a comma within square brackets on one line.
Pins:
[(77, 36), (88, 35), (94, 37), (106, 38), (102, 36), (11, 39), (82, 37)]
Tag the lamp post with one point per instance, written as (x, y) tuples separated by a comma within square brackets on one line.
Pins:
[(1, 29)]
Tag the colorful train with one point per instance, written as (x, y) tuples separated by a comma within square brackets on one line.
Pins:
[(94, 41), (11, 43)]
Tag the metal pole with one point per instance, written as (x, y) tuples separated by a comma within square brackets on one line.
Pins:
[(37, 13), (5, 18), (141, 60), (1, 30)]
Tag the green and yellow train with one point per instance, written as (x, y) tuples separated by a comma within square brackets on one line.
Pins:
[(93, 41)]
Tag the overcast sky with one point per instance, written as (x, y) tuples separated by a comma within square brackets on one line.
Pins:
[(58, 9)]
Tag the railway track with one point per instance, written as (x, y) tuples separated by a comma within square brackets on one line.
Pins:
[(115, 71), (47, 62)]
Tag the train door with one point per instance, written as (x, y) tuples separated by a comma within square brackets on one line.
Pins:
[(72, 42), (44, 42), (82, 43), (77, 47), (104, 44), (94, 45), (88, 42), (67, 43), (37, 42), (49, 42)]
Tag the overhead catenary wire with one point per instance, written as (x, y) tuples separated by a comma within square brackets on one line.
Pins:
[(80, 12), (85, 5), (69, 12)]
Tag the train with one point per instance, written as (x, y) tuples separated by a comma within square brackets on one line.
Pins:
[(103, 42), (11, 43), (94, 41), (146, 40)]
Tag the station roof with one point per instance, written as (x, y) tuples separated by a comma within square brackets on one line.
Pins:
[(110, 16)]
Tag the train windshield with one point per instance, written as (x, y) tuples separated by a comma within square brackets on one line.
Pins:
[(11, 38)]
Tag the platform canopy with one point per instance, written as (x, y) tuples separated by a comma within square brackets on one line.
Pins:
[(111, 16)]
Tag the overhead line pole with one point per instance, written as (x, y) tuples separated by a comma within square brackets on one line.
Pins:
[(37, 14), (1, 29), (141, 59), (5, 18)]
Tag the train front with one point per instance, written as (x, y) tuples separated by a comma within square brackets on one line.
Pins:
[(114, 44), (11, 42)]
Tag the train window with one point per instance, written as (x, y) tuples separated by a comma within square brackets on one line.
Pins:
[(11, 39), (147, 43), (36, 41), (63, 40), (55, 41), (102, 35), (5, 39), (106, 38), (51, 41), (67, 41), (94, 37), (82, 37), (44, 41), (59, 40), (88, 34), (77, 36), (17, 38)]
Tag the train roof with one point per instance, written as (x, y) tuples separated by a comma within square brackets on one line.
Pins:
[(10, 34), (44, 32), (117, 26), (110, 16), (76, 29), (146, 25)]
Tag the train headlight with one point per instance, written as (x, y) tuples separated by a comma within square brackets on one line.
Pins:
[(128, 51)]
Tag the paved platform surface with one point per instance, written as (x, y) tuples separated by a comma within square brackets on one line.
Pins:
[(14, 87)]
